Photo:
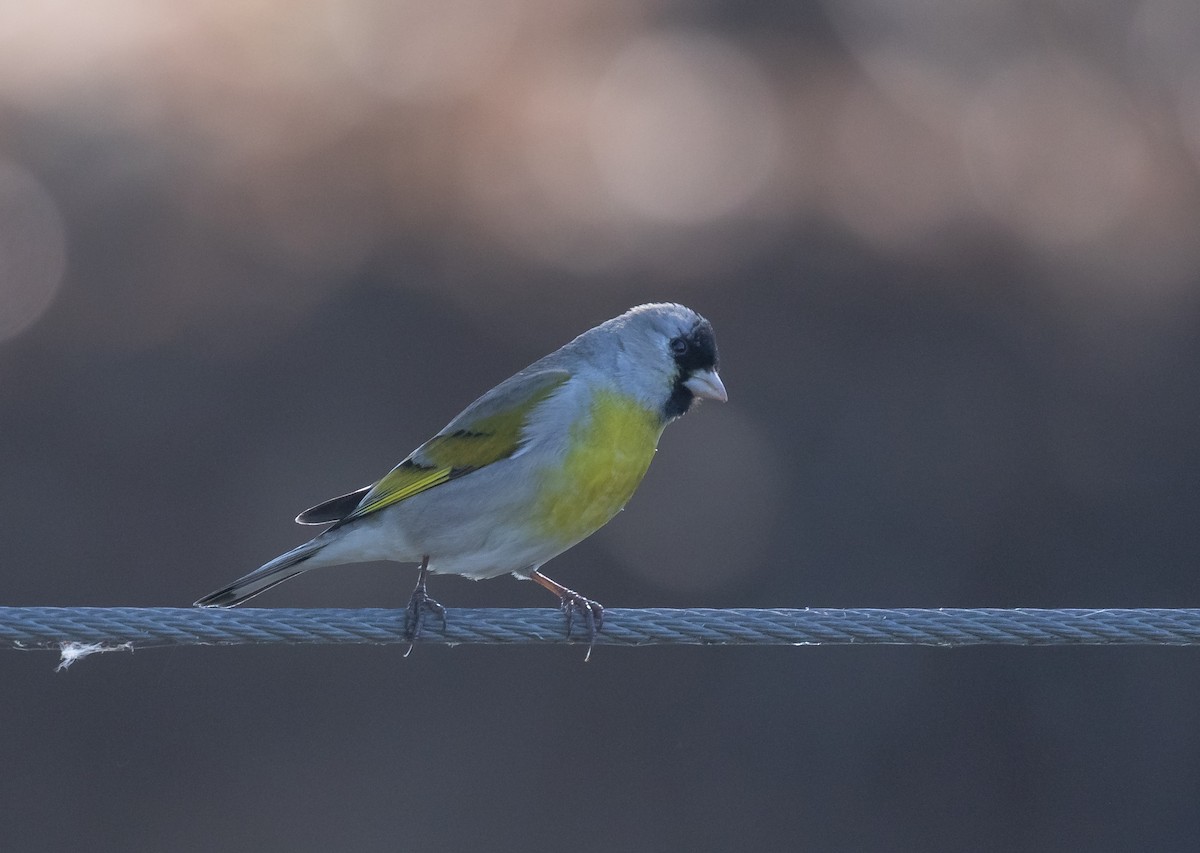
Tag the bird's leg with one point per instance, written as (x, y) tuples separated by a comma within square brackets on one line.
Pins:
[(592, 612), (418, 604)]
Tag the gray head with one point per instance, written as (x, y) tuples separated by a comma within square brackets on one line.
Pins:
[(669, 353)]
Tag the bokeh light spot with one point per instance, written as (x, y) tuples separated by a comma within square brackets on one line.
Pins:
[(893, 178), (418, 51), (32, 249), (1053, 154), (684, 128)]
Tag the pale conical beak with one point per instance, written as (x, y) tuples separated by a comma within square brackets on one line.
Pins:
[(706, 384)]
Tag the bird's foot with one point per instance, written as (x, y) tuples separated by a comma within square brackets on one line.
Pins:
[(591, 611), (571, 601), (417, 605), (414, 614)]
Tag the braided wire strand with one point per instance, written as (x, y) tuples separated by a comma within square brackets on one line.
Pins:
[(144, 627)]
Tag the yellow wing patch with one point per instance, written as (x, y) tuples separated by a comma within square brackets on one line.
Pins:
[(484, 442), (402, 482), (471, 444)]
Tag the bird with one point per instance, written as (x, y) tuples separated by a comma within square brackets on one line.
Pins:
[(530, 469)]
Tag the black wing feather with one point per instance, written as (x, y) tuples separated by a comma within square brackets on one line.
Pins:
[(334, 509)]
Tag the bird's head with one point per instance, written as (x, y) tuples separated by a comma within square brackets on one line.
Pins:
[(670, 356)]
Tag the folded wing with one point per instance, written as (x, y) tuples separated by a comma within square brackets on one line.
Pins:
[(490, 429)]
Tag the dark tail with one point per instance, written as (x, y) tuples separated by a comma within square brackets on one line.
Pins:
[(261, 579)]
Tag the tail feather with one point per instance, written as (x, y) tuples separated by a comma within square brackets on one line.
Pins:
[(263, 578)]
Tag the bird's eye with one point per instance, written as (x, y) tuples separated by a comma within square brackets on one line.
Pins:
[(678, 346)]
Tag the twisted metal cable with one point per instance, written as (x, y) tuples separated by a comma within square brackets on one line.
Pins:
[(105, 628)]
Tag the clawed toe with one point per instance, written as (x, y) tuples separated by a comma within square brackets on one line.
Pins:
[(571, 601), (592, 613), (414, 614), (418, 604)]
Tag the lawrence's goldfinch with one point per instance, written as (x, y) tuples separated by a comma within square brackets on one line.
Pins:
[(532, 467)]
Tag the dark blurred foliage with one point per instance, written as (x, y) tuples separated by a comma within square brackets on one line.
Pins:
[(252, 254)]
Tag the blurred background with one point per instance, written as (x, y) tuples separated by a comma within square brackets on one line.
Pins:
[(251, 254)]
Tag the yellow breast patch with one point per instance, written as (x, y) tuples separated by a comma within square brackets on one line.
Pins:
[(607, 456)]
